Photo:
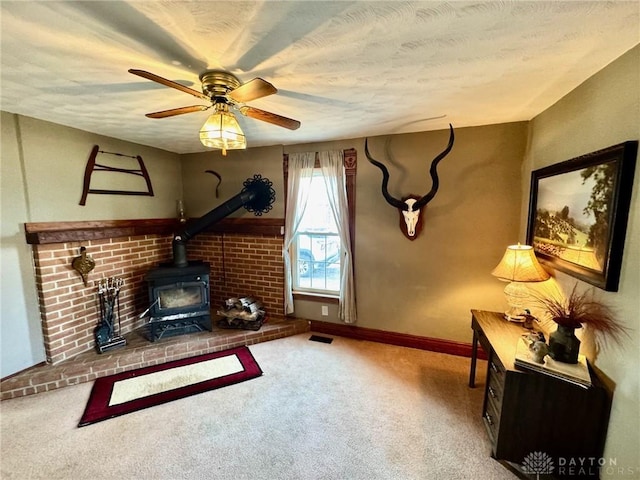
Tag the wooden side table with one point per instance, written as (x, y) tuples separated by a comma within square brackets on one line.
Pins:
[(526, 412)]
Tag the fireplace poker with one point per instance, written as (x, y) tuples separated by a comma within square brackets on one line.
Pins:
[(150, 307)]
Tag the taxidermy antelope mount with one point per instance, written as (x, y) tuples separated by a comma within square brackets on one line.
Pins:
[(411, 206)]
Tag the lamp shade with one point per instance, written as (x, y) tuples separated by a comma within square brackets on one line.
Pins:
[(221, 130), (519, 264)]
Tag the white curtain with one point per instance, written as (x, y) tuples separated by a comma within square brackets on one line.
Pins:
[(299, 183), (300, 175), (332, 166)]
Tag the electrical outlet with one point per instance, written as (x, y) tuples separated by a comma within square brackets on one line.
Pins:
[(325, 310)]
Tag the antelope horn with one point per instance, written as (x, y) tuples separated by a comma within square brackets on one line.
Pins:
[(434, 174), (394, 202)]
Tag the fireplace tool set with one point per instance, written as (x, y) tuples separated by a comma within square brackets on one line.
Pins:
[(107, 333)]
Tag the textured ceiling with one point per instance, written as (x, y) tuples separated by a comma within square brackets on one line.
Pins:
[(344, 69)]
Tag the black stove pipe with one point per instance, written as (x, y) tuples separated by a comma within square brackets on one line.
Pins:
[(257, 196)]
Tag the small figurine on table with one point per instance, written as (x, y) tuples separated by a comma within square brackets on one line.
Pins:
[(538, 347), (529, 320)]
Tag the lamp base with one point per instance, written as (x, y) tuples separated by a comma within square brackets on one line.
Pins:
[(517, 295)]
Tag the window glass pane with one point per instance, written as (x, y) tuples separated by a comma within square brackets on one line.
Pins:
[(318, 244), (318, 261), (317, 216)]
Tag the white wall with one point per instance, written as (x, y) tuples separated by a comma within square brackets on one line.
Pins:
[(604, 111)]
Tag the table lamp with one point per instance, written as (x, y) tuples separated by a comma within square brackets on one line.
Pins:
[(518, 265)]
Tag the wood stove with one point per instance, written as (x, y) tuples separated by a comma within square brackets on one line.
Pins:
[(179, 299), (179, 291)]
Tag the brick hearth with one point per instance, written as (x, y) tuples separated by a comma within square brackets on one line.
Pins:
[(245, 257), (139, 352), (241, 265)]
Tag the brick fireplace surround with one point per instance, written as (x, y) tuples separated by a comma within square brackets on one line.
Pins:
[(245, 257)]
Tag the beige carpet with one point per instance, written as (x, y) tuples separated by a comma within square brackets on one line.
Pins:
[(348, 410)]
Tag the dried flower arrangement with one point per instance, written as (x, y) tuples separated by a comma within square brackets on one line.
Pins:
[(583, 309)]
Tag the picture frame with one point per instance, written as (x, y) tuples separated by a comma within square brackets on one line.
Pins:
[(578, 213)]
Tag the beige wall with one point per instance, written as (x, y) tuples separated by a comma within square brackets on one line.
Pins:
[(427, 286), (603, 111), (20, 333), (422, 287), (235, 168), (54, 160), (42, 174)]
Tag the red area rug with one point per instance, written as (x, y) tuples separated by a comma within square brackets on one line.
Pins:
[(128, 392)]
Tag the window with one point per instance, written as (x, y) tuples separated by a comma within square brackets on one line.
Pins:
[(319, 228), (317, 249)]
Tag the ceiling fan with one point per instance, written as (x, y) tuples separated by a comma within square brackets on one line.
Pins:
[(224, 91)]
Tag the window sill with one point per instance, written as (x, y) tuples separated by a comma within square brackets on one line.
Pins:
[(316, 297)]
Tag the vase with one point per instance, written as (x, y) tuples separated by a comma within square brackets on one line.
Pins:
[(564, 345)]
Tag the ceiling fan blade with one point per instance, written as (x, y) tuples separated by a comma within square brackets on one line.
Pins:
[(253, 89), (168, 83), (270, 117), (177, 111)]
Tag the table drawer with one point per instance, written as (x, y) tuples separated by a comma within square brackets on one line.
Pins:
[(495, 389), (491, 418), (496, 370), (493, 396)]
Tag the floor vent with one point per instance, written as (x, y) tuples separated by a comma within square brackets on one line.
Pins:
[(318, 338)]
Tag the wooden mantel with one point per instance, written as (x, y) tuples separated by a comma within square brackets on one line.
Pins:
[(39, 233)]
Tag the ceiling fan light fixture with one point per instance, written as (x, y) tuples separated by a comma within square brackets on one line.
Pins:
[(222, 89), (222, 131)]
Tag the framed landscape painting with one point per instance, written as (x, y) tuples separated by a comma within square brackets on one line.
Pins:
[(578, 211)]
